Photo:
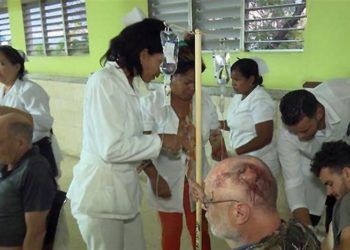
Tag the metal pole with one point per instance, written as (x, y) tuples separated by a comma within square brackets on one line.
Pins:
[(198, 96)]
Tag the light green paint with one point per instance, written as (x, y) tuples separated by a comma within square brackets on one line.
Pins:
[(104, 22), (16, 24), (326, 53)]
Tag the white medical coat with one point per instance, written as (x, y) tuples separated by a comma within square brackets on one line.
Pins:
[(303, 189), (105, 181), (243, 115), (31, 98), (163, 119)]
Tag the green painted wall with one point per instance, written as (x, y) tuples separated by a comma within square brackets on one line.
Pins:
[(104, 22), (326, 53)]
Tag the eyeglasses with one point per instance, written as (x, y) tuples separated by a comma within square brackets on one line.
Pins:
[(207, 201)]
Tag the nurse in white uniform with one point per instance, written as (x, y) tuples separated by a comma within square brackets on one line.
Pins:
[(105, 192), (178, 118), (18, 93), (250, 115)]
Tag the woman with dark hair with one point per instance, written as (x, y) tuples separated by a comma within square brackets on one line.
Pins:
[(176, 169), (20, 94), (250, 115), (105, 193)]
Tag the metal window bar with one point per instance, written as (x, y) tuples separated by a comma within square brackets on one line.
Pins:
[(52, 24), (33, 28), (5, 32), (217, 19), (53, 16), (274, 32), (275, 6), (275, 18), (76, 27)]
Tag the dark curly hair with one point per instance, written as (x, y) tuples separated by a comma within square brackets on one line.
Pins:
[(333, 155)]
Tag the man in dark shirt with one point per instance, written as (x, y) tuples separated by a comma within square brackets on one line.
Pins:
[(332, 165), (27, 186)]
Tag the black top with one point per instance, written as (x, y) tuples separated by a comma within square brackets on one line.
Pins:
[(29, 187)]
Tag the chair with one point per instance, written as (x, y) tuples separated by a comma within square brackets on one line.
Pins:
[(52, 219)]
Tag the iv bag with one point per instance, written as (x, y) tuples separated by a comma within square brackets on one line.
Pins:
[(222, 64), (221, 59), (170, 44)]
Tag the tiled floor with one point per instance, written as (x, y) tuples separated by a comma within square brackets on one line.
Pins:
[(150, 220)]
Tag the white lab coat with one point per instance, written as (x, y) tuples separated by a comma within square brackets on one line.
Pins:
[(303, 189), (105, 181), (31, 98), (243, 115), (161, 119)]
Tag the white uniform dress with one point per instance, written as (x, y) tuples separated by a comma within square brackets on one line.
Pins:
[(105, 182), (32, 98), (161, 119), (243, 115), (303, 189)]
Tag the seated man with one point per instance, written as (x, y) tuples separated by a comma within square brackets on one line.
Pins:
[(240, 201), (27, 186), (332, 165)]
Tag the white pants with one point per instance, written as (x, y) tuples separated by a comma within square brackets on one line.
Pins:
[(111, 234)]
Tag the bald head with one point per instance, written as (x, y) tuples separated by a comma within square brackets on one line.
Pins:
[(247, 174), (15, 124)]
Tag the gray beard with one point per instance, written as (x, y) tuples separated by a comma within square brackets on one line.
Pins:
[(232, 235)]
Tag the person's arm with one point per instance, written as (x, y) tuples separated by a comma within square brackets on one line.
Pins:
[(197, 191), (35, 230), (216, 139), (38, 192), (223, 125), (302, 215), (262, 110), (218, 146), (291, 167), (264, 134), (345, 239), (327, 243), (159, 185), (114, 122)]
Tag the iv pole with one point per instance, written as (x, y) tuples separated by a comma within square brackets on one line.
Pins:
[(198, 125)]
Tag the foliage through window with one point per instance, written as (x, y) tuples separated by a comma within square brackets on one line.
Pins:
[(5, 33), (274, 24), (243, 24), (55, 27)]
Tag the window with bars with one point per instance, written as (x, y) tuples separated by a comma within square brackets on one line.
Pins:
[(243, 24), (55, 27), (5, 32), (274, 24), (218, 20)]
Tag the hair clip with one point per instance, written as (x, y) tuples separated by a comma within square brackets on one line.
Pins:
[(23, 55), (183, 43)]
